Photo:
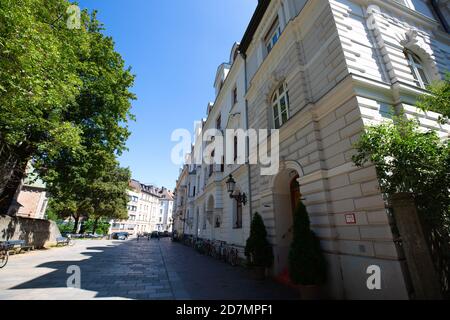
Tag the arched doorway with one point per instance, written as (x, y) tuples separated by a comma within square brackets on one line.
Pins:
[(286, 197)]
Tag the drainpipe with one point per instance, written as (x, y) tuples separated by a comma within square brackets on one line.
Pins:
[(248, 140)]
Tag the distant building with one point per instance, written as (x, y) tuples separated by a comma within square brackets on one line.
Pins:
[(31, 201), (165, 211), (148, 209), (179, 213)]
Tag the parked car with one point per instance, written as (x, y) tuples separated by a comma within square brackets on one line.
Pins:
[(166, 234), (120, 235), (154, 234)]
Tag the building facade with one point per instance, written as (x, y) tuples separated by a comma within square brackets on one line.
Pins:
[(31, 198), (166, 210), (179, 209), (144, 209), (319, 71)]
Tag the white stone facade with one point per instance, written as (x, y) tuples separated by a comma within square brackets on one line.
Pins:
[(345, 65), (145, 209)]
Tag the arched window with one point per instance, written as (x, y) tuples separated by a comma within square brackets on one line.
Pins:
[(280, 106), (417, 69)]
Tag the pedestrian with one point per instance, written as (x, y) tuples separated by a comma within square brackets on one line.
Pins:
[(158, 236)]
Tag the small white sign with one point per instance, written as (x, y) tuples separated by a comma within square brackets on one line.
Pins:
[(350, 218)]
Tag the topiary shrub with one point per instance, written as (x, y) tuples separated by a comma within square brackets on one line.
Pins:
[(257, 249), (307, 264)]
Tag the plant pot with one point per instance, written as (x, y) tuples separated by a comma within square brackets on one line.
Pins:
[(258, 273), (311, 292)]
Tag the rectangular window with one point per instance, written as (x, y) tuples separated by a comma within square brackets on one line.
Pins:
[(235, 148), (211, 166), (421, 6), (238, 216), (219, 122), (272, 36), (235, 97)]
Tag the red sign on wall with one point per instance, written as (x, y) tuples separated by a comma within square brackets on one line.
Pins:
[(350, 218)]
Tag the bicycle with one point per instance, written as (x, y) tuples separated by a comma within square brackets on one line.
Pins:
[(209, 248), (4, 255), (233, 257), (70, 241)]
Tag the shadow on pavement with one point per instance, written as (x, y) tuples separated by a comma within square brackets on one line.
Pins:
[(130, 269), (205, 278)]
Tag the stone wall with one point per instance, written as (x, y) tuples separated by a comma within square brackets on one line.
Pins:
[(35, 232)]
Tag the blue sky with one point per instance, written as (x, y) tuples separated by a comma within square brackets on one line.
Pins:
[(174, 47)]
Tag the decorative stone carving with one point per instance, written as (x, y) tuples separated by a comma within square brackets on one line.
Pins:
[(411, 40), (276, 78)]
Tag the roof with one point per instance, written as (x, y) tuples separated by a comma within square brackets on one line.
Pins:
[(141, 187), (253, 25), (166, 194)]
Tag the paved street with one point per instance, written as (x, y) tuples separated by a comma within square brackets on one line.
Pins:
[(131, 270)]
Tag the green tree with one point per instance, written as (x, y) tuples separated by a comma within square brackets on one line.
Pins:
[(72, 125), (307, 264), (38, 83), (407, 159), (100, 226), (258, 249), (108, 196), (439, 99), (94, 187)]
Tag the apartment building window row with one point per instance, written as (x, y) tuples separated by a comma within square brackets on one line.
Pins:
[(132, 208), (133, 198)]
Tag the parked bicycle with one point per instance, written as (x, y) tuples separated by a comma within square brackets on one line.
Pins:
[(70, 241), (4, 255), (232, 256)]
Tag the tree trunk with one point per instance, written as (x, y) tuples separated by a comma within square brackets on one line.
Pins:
[(75, 226), (12, 185), (94, 228), (418, 256)]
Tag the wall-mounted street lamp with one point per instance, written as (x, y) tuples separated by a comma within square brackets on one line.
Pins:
[(231, 187)]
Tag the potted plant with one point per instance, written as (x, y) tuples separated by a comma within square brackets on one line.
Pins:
[(307, 264), (258, 249)]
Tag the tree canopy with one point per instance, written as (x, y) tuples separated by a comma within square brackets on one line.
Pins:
[(65, 102), (439, 99)]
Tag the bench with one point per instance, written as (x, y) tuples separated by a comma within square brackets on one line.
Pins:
[(62, 241), (17, 246)]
